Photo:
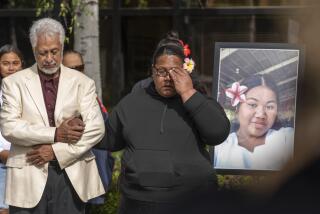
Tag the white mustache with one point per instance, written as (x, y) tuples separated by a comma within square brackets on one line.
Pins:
[(52, 63)]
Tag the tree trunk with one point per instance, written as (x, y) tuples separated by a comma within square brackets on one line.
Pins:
[(13, 35), (86, 40)]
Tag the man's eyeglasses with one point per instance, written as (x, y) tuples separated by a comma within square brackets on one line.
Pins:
[(77, 67)]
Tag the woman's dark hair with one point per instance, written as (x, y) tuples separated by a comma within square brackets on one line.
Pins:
[(8, 48), (170, 45), (261, 80)]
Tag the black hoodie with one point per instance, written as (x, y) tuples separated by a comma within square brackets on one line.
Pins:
[(164, 142)]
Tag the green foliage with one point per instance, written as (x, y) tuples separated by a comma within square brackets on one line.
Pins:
[(141, 3), (68, 10), (236, 182), (43, 6), (112, 200), (113, 195), (104, 3)]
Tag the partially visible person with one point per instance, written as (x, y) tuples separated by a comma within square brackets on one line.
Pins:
[(73, 59), (105, 161), (164, 129), (257, 143), (11, 61), (51, 117)]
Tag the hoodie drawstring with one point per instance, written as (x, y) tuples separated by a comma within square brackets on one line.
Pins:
[(162, 119)]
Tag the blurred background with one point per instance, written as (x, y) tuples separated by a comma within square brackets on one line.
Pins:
[(130, 29)]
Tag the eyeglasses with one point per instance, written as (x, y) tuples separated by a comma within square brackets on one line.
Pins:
[(77, 67), (161, 72)]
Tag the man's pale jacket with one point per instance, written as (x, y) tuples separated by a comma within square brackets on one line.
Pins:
[(24, 122)]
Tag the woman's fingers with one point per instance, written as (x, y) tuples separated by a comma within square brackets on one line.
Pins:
[(181, 80), (180, 71), (174, 76)]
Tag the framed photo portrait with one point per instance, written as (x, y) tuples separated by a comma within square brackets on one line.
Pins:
[(257, 85)]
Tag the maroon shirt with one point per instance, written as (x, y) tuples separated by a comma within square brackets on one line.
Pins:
[(49, 84)]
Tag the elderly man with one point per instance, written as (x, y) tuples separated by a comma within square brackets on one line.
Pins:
[(51, 117)]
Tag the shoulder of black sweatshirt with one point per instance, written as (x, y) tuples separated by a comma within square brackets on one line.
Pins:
[(142, 84)]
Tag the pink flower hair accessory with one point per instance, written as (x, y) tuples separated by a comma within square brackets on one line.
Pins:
[(188, 64), (236, 93)]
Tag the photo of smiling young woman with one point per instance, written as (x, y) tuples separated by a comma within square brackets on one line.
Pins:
[(256, 144), (257, 115)]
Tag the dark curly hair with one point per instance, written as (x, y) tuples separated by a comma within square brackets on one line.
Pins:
[(261, 79), (171, 45)]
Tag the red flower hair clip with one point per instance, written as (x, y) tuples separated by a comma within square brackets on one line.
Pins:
[(186, 49), (188, 64)]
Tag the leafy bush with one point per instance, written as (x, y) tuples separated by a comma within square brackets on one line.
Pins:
[(113, 194)]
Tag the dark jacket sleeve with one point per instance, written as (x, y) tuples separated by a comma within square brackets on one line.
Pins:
[(115, 141), (209, 118)]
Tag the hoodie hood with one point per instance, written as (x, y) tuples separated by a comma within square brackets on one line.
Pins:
[(151, 89)]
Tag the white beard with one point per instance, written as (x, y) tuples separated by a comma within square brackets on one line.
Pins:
[(50, 70)]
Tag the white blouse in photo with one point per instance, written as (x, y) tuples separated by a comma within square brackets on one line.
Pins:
[(272, 155)]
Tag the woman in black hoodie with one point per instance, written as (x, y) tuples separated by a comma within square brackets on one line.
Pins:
[(163, 129)]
